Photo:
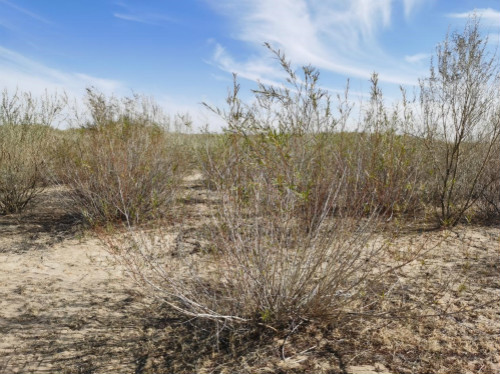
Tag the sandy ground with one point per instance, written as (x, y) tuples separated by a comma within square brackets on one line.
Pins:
[(66, 306), (59, 290)]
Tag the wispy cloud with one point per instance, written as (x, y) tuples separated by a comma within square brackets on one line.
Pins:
[(26, 12), (410, 6), (18, 71), (128, 17), (487, 15), (7, 25), (417, 58), (133, 14), (336, 35), (149, 19), (255, 69)]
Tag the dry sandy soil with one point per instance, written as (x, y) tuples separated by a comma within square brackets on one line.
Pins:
[(66, 306)]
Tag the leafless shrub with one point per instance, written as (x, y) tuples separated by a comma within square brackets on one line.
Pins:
[(289, 245), (25, 136), (459, 103), (123, 165)]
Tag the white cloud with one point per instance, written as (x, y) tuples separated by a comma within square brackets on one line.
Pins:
[(134, 14), (305, 23), (411, 5), (146, 18), (489, 16), (255, 69), (417, 58), (340, 36), (18, 71), (127, 17)]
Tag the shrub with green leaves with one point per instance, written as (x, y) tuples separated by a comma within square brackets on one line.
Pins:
[(287, 141), (387, 156)]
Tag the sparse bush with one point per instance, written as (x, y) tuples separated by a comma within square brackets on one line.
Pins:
[(289, 139), (123, 165), (25, 136), (387, 158), (289, 245), (461, 126)]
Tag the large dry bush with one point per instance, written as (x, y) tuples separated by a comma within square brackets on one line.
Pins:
[(461, 126), (289, 245), (123, 165), (25, 138)]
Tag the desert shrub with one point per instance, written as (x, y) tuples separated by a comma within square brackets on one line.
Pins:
[(21, 165), (290, 138), (123, 165), (303, 144), (288, 245), (461, 128), (386, 156), (488, 203), (264, 270), (25, 138)]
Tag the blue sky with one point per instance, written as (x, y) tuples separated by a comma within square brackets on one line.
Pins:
[(183, 52)]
